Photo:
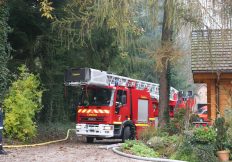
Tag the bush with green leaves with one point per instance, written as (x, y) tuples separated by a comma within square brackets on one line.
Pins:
[(228, 119), (185, 152), (204, 135), (176, 125), (221, 139), (148, 133), (205, 153), (164, 145), (188, 151), (138, 148), (21, 105)]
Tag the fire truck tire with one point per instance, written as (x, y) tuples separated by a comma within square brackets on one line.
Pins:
[(89, 139), (126, 134)]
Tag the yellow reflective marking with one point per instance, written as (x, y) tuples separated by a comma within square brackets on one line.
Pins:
[(141, 125), (117, 123), (143, 97), (100, 111), (91, 114), (95, 111), (79, 110), (88, 111), (84, 110), (151, 118)]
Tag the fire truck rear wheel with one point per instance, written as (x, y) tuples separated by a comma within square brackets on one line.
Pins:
[(89, 139), (126, 134)]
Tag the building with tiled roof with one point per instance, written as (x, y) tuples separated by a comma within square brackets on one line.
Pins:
[(211, 62)]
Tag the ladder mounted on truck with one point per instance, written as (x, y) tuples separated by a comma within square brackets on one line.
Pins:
[(89, 76)]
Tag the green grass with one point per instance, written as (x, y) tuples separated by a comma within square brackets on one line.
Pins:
[(138, 148)]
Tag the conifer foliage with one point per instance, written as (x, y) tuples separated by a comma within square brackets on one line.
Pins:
[(4, 49)]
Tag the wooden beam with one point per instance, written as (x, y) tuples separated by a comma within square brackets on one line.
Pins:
[(209, 107), (201, 77)]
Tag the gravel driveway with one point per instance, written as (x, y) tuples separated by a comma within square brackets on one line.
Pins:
[(70, 151)]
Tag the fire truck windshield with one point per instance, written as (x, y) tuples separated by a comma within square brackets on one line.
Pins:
[(95, 96)]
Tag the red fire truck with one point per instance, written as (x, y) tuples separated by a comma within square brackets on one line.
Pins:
[(113, 106)]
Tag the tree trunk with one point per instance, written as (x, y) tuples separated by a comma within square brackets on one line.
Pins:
[(164, 96), (167, 33)]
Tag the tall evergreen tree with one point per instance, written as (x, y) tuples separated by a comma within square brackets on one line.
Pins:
[(4, 48)]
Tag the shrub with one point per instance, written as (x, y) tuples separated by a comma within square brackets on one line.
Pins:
[(138, 148), (205, 153), (165, 145), (204, 135), (21, 105), (176, 125), (228, 119), (194, 152), (148, 133), (221, 139), (185, 152), (156, 142)]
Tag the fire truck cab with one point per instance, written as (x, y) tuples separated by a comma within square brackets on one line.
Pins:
[(112, 106)]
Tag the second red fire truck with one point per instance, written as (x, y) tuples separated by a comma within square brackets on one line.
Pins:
[(113, 106)]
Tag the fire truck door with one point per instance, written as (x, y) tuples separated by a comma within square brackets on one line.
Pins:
[(121, 109)]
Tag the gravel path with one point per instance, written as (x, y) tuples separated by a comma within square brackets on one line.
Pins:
[(71, 151)]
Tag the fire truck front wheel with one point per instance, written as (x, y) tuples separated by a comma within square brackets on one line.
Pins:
[(89, 139), (126, 134)]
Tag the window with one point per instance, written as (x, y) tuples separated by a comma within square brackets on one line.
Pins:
[(121, 97), (94, 96)]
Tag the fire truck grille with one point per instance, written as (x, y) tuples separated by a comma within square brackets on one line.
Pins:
[(92, 119)]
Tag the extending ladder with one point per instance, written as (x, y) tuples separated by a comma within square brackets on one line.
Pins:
[(153, 88), (89, 76)]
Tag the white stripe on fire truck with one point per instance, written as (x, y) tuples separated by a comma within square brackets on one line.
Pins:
[(107, 111), (88, 111), (101, 111), (79, 110), (95, 111)]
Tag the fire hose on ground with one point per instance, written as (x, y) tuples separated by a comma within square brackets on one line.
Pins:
[(114, 148), (40, 144)]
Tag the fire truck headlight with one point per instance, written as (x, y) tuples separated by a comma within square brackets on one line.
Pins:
[(108, 127), (78, 127)]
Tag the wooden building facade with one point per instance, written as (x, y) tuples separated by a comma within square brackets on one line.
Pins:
[(211, 59)]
